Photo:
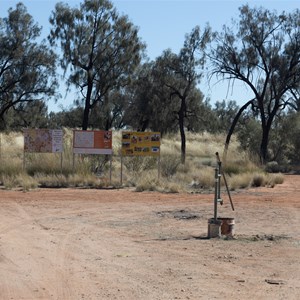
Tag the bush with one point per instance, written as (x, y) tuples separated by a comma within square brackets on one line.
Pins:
[(169, 165), (272, 167), (274, 179), (258, 180), (93, 171)]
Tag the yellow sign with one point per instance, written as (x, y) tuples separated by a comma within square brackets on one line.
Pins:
[(140, 143)]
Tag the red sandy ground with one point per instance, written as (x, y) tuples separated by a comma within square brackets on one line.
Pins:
[(120, 244)]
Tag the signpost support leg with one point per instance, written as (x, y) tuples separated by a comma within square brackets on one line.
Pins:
[(121, 169), (110, 166), (73, 163), (24, 161), (158, 167), (61, 163)]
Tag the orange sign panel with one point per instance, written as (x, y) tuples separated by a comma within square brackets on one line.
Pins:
[(92, 142)]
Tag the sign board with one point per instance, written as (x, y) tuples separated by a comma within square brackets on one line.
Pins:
[(140, 143), (43, 140), (92, 142)]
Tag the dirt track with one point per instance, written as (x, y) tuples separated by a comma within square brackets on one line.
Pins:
[(119, 244)]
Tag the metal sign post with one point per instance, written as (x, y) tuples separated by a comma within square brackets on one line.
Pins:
[(110, 167), (121, 179)]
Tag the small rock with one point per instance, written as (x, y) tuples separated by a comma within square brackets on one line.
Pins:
[(274, 281)]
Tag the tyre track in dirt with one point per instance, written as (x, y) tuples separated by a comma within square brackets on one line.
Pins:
[(21, 255), (81, 244), (52, 257)]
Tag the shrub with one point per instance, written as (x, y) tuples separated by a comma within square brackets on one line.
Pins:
[(258, 180), (169, 165), (274, 179), (240, 181), (93, 171), (272, 167)]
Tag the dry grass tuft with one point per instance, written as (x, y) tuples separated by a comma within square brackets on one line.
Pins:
[(22, 180), (91, 171), (274, 179), (240, 181), (258, 179)]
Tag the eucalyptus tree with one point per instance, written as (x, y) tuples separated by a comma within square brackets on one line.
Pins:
[(27, 68), (100, 49), (225, 111), (264, 54), (180, 73), (148, 105), (70, 118), (110, 113), (139, 110), (33, 114)]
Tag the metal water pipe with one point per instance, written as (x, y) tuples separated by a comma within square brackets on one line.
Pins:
[(216, 195)]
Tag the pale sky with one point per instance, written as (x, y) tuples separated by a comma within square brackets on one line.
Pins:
[(163, 24)]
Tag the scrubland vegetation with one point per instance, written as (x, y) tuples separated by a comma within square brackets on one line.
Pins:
[(139, 173), (118, 86)]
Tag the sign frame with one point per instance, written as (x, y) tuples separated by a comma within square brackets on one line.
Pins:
[(95, 142), (43, 141), (138, 143)]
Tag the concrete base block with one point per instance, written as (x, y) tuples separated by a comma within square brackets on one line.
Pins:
[(214, 228)]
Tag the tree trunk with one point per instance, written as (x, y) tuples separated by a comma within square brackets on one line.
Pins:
[(86, 114), (182, 132), (144, 125), (266, 128), (87, 107), (264, 145), (231, 129)]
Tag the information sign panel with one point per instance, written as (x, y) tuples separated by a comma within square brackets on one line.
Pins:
[(43, 140), (92, 142), (140, 143)]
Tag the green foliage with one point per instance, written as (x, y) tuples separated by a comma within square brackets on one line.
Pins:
[(27, 114), (249, 136), (263, 54), (100, 48), (27, 68), (71, 118), (295, 140), (149, 106), (272, 167), (224, 113), (284, 144), (176, 77), (283, 151)]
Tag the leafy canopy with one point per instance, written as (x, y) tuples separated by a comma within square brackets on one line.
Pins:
[(27, 68)]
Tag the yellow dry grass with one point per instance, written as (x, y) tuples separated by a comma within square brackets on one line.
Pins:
[(140, 172)]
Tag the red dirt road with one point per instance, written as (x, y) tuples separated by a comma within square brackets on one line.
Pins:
[(120, 244)]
